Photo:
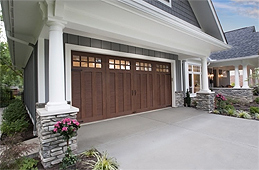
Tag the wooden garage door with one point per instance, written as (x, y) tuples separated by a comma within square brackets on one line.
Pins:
[(107, 86)]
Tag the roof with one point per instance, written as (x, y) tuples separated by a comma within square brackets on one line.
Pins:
[(244, 42)]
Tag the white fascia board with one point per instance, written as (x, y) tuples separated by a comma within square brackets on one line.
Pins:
[(173, 22), (217, 20), (235, 59)]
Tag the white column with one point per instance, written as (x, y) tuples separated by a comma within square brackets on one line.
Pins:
[(205, 82), (217, 77), (56, 68), (236, 77), (245, 77)]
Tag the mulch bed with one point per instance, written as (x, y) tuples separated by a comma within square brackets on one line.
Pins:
[(245, 106)]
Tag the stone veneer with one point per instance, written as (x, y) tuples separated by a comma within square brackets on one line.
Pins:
[(205, 101), (53, 146), (243, 94), (179, 98)]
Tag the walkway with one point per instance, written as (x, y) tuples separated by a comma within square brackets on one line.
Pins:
[(176, 138)]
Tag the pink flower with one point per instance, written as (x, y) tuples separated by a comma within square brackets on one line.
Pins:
[(69, 123), (64, 128), (77, 123), (55, 130), (74, 121), (57, 125)]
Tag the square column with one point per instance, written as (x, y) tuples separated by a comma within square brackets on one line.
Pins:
[(236, 77)]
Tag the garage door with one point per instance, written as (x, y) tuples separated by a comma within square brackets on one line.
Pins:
[(106, 86)]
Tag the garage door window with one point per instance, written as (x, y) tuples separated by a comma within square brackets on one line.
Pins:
[(85, 61), (162, 68), (119, 64), (140, 66)]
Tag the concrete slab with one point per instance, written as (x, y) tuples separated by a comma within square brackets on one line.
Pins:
[(176, 138)]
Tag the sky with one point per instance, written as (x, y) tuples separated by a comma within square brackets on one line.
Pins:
[(235, 14)]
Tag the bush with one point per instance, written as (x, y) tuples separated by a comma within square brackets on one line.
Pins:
[(244, 114), (231, 101), (257, 116), (257, 100), (254, 110), (5, 97), (14, 118), (231, 112), (256, 90), (28, 163), (227, 107), (104, 162), (216, 112)]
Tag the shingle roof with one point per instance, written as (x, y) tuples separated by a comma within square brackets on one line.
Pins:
[(244, 42)]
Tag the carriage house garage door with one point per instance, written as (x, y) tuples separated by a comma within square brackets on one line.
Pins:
[(106, 86)]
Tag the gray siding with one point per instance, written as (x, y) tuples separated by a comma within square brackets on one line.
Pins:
[(30, 85), (178, 75), (178, 8), (96, 43)]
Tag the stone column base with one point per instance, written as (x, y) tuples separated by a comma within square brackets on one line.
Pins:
[(179, 98), (53, 146), (205, 101)]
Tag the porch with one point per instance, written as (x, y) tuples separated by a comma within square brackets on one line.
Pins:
[(175, 138)]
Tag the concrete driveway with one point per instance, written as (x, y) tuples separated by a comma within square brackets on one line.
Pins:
[(176, 138)]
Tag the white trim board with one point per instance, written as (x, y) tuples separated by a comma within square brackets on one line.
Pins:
[(71, 47)]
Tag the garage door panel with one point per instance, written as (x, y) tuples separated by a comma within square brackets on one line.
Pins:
[(150, 91), (144, 91), (127, 93), (137, 92), (99, 94), (76, 96), (87, 103), (111, 103)]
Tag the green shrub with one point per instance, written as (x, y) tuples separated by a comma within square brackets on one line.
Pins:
[(257, 116), (244, 114), (216, 111), (227, 107), (256, 90), (16, 110), (254, 110), (257, 100), (90, 153), (231, 112), (11, 128), (28, 163), (231, 101)]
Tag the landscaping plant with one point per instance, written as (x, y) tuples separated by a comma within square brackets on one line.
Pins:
[(257, 100), (67, 128), (254, 110), (220, 102), (244, 114), (104, 162), (187, 99), (231, 112)]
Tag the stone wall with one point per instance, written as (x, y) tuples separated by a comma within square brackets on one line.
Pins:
[(179, 98), (52, 146), (243, 94), (205, 101)]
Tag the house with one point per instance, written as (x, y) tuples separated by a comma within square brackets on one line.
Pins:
[(105, 59), (243, 56)]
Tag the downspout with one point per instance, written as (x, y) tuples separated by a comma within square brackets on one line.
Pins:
[(18, 40)]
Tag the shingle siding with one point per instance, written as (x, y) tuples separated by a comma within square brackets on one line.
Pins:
[(178, 8)]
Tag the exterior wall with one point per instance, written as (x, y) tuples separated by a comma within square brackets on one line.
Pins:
[(178, 75), (30, 86), (244, 95), (178, 8)]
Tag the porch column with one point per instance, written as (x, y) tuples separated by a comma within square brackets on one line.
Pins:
[(205, 82), (217, 77), (245, 77), (56, 68), (236, 77)]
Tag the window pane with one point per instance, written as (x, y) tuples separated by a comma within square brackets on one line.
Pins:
[(98, 60), (117, 62), (127, 63), (76, 57), (157, 69), (142, 68), (127, 67), (190, 68), (111, 66), (117, 66), (83, 64), (145, 64), (161, 66), (122, 67), (83, 58), (141, 64), (91, 59), (76, 64), (137, 68), (122, 62), (167, 70), (149, 65), (150, 69), (196, 68), (111, 61), (146, 69), (137, 63), (92, 65), (161, 70), (190, 83), (98, 65), (196, 78)]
